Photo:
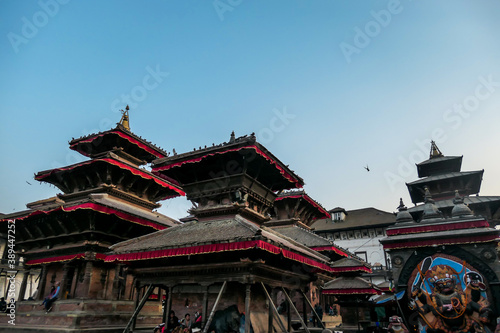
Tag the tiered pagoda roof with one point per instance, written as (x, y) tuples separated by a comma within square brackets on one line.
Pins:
[(120, 140), (435, 230), (233, 187), (205, 237), (116, 174), (442, 176), (105, 200), (242, 155), (350, 286), (294, 212), (298, 204)]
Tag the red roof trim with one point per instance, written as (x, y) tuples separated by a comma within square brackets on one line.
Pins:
[(308, 199), (351, 291), (223, 247), (330, 248), (122, 135), (438, 227), (98, 208), (135, 171), (98, 256), (285, 174), (439, 241)]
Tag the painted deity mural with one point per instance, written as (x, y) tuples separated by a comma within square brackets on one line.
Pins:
[(450, 296)]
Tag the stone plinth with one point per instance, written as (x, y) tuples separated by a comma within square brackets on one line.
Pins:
[(81, 316)]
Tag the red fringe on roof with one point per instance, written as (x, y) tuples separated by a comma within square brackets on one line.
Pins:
[(98, 256), (98, 208), (135, 171), (445, 241), (330, 248), (359, 291), (439, 227), (308, 199), (124, 136), (212, 248), (285, 174)]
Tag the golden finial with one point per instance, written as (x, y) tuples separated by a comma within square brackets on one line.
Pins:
[(435, 152), (124, 120)]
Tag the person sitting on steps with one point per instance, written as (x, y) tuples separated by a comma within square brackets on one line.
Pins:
[(52, 297)]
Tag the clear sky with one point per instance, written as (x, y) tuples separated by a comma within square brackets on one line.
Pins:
[(328, 86)]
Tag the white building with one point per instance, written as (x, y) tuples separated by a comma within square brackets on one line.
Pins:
[(359, 232)]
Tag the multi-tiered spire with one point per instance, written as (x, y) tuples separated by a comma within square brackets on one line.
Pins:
[(105, 200), (442, 176)]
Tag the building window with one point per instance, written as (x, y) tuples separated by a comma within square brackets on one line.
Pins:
[(336, 236), (365, 233), (350, 235), (380, 232), (343, 236), (362, 255), (387, 260)]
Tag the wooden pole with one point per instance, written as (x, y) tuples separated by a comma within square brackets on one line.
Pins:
[(168, 299), (204, 309), (22, 290), (136, 305), (312, 308), (289, 317), (41, 285), (247, 308), (270, 326), (304, 307), (271, 304), (295, 309), (209, 321), (138, 308)]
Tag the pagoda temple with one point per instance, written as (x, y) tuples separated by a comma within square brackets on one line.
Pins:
[(231, 248), (107, 199), (442, 176), (293, 214)]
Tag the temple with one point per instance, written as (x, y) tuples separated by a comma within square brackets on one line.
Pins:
[(442, 176), (444, 252), (246, 249), (105, 200), (232, 244)]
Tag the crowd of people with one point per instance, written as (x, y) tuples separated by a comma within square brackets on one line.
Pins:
[(174, 325)]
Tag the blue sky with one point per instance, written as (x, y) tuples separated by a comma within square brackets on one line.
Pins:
[(327, 86)]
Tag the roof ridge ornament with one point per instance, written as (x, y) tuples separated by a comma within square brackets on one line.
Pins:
[(460, 208), (435, 152), (403, 215), (124, 121), (430, 209), (428, 196)]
